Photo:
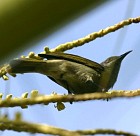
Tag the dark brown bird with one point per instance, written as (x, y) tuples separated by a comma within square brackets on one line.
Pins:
[(76, 74)]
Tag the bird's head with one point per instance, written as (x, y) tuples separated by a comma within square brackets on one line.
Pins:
[(114, 60)]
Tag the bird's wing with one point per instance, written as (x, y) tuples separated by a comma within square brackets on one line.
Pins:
[(74, 58)]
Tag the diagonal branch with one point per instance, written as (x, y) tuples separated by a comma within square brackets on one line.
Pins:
[(22, 126), (93, 36)]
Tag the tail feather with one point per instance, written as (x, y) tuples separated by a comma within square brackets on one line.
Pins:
[(25, 65)]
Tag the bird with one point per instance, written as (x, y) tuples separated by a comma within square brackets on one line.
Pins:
[(76, 74)]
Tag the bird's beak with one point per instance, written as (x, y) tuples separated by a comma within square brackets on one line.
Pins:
[(124, 55)]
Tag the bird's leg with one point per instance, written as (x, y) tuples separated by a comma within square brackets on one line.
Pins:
[(67, 86), (104, 90)]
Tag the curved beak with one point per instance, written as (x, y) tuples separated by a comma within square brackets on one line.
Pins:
[(124, 55)]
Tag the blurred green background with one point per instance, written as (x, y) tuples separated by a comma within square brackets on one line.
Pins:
[(25, 21)]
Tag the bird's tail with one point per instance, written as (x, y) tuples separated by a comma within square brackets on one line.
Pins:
[(25, 65)]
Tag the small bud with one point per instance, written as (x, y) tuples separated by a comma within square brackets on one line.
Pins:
[(34, 93), (46, 49), (60, 106), (24, 95), (9, 96), (1, 95), (31, 55), (5, 77), (24, 106), (22, 56)]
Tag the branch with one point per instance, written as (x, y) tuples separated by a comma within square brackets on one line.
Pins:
[(104, 131), (93, 36), (22, 126), (46, 99)]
